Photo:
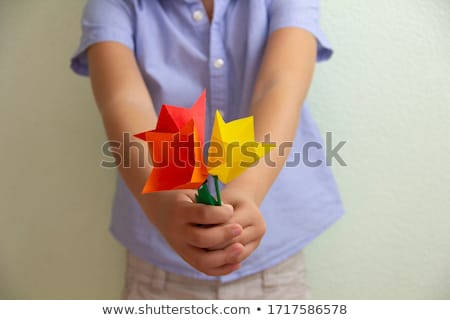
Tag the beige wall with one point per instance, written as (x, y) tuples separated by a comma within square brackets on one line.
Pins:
[(55, 199), (386, 92)]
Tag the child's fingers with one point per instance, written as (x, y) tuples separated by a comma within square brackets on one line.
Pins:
[(250, 234), (218, 262), (224, 270), (194, 213), (187, 195), (209, 237), (248, 250), (245, 214)]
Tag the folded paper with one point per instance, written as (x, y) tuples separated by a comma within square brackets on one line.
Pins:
[(176, 148), (233, 148)]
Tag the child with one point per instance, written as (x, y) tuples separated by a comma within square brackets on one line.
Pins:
[(253, 57)]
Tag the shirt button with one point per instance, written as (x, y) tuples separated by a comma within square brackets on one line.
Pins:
[(197, 15), (218, 63)]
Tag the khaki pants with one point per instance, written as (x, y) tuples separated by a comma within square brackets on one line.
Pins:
[(285, 281)]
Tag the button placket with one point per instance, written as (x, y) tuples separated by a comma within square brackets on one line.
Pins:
[(218, 61), (217, 73)]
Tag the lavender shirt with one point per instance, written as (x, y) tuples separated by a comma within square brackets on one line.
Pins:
[(179, 53)]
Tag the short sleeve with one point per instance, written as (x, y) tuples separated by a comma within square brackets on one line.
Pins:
[(302, 14), (103, 20)]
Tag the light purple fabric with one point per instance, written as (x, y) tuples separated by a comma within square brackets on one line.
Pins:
[(176, 54)]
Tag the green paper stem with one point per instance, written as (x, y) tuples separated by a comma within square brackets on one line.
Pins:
[(216, 184), (204, 196)]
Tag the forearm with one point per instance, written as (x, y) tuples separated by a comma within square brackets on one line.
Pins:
[(279, 93), (125, 107), (121, 123)]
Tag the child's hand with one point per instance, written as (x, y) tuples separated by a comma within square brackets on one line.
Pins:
[(246, 214), (191, 228)]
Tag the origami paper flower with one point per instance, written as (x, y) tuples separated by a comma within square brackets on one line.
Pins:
[(175, 148), (171, 118), (233, 148)]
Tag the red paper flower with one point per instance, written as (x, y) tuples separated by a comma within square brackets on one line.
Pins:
[(176, 148)]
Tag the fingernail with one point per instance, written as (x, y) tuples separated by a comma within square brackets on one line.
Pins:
[(236, 230), (236, 252)]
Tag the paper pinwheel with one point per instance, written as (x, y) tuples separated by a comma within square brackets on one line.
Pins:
[(179, 138)]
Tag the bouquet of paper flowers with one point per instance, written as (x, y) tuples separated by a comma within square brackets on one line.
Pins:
[(176, 149)]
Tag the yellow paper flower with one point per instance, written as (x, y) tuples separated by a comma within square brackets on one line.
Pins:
[(233, 148)]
